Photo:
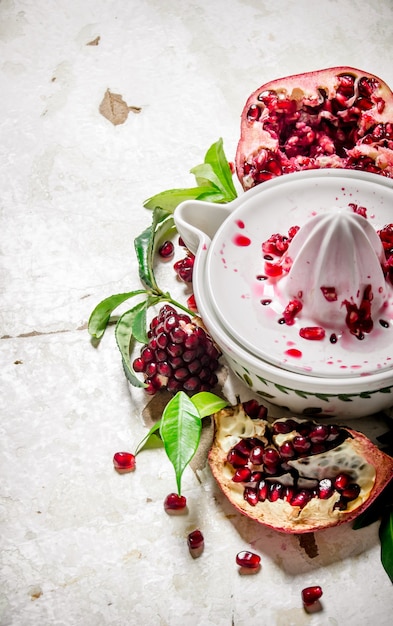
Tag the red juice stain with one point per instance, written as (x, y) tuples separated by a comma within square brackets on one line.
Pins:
[(240, 223), (294, 352), (241, 240)]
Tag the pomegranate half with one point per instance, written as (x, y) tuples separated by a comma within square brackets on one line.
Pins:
[(339, 117), (295, 475)]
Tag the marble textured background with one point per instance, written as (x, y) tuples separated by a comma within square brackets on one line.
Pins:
[(81, 545)]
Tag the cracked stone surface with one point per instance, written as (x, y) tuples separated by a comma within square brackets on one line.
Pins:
[(81, 544)]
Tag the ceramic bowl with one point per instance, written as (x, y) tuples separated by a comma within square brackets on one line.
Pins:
[(352, 378)]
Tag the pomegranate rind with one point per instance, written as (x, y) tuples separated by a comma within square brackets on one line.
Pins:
[(280, 515), (370, 155)]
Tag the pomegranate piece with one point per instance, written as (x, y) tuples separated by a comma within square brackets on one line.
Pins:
[(311, 594), (175, 504), (166, 250), (248, 560), (295, 475), (180, 355), (124, 462), (196, 543), (337, 117)]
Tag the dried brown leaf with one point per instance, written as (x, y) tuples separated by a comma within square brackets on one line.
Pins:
[(115, 109)]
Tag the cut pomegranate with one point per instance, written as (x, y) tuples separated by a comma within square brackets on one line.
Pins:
[(295, 475), (311, 594), (339, 117), (249, 560), (180, 355), (175, 503), (124, 462)]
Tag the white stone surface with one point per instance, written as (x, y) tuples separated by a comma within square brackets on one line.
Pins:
[(81, 545)]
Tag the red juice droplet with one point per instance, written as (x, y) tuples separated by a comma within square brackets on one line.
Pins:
[(241, 240), (294, 353), (240, 223)]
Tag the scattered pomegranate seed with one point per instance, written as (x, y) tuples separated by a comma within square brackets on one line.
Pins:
[(196, 543), (124, 462), (175, 504), (311, 594), (166, 250), (248, 560), (314, 333), (191, 304)]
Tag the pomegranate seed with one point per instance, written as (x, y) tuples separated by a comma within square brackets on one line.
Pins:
[(175, 503), (351, 492), (319, 433), (271, 457), (276, 491), (325, 488), (249, 560), (196, 543), (311, 594), (301, 498), (166, 250), (138, 364), (263, 490), (191, 304), (313, 333), (342, 481), (287, 450), (251, 496), (283, 427), (236, 459), (242, 475), (124, 462), (256, 455), (301, 444), (251, 407)]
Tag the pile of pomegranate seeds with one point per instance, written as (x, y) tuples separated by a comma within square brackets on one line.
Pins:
[(124, 462), (180, 355)]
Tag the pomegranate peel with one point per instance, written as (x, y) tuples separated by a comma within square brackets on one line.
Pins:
[(339, 117), (297, 495)]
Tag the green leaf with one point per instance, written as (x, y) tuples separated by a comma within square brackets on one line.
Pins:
[(123, 334), (206, 176), (139, 331), (219, 162), (180, 431), (145, 246), (151, 439), (386, 538), (100, 316), (207, 403), (170, 199)]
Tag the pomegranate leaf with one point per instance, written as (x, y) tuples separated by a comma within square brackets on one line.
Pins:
[(150, 440), (168, 200), (139, 325), (123, 334), (146, 243), (217, 159), (180, 431), (386, 538), (214, 180), (207, 403), (100, 316)]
